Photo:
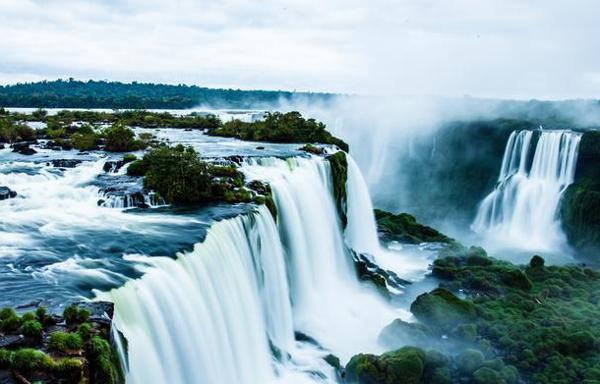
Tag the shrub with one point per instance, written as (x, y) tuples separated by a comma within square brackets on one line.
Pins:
[(120, 139), (69, 368), (6, 357), (102, 367), (32, 328), (84, 141), (176, 173), (76, 315), (85, 331), (129, 157), (27, 316), (63, 341)]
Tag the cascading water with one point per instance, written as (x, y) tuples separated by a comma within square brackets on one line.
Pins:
[(227, 312), (522, 209)]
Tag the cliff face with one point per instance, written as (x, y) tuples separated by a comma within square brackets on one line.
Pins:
[(580, 205)]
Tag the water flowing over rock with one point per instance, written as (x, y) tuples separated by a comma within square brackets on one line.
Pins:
[(522, 209), (228, 311)]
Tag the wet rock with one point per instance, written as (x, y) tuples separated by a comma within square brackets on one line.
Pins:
[(235, 159), (6, 193), (260, 147), (11, 341), (65, 163), (113, 166), (23, 148)]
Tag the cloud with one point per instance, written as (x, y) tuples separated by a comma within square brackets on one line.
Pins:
[(498, 48)]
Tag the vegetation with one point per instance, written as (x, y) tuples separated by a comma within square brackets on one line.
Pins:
[(581, 201), (339, 175), (102, 94), (278, 127), (536, 323), (176, 173), (404, 228), (58, 356)]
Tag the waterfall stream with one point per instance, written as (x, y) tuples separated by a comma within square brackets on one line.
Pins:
[(227, 312), (522, 209)]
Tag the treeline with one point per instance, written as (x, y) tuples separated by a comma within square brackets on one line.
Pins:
[(116, 95)]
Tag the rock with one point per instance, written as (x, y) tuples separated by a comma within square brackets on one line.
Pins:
[(442, 309), (399, 333), (537, 262), (113, 166), (23, 148), (517, 279), (404, 366), (260, 147), (235, 159), (470, 360), (65, 163), (6, 193), (11, 341)]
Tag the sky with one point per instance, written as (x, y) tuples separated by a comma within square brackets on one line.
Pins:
[(544, 49)]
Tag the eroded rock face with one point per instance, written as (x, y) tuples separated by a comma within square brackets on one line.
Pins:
[(6, 193)]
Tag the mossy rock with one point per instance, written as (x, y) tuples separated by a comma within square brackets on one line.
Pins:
[(442, 309), (470, 360), (517, 279), (486, 375), (405, 228), (399, 333), (339, 174), (403, 366)]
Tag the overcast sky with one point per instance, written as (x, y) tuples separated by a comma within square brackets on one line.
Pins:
[(495, 48)]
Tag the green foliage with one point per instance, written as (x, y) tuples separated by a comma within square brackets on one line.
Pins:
[(279, 127), (32, 328), (102, 361), (129, 157), (103, 94), (85, 331), (84, 141), (403, 366), (29, 360), (76, 315), (11, 131), (339, 175), (176, 173), (69, 368), (119, 138), (64, 341), (578, 209), (542, 320), (404, 227)]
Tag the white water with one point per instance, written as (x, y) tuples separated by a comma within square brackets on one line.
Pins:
[(522, 209), (209, 315)]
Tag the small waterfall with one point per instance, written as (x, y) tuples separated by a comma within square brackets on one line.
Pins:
[(227, 311), (522, 209)]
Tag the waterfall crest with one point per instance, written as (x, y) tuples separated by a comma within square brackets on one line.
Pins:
[(227, 312), (523, 207)]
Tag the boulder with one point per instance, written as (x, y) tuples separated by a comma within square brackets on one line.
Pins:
[(440, 308), (65, 163), (23, 148), (6, 193), (403, 366)]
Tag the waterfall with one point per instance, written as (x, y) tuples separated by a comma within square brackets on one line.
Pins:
[(522, 209), (227, 312)]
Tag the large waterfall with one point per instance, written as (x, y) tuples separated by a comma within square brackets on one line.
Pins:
[(227, 312), (522, 209)]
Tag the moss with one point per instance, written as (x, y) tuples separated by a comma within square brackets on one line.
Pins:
[(403, 366), (333, 360), (339, 175), (85, 330), (137, 168), (32, 328), (405, 228), (516, 278), (63, 341), (441, 308), (102, 365), (76, 315), (129, 157), (29, 360)]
